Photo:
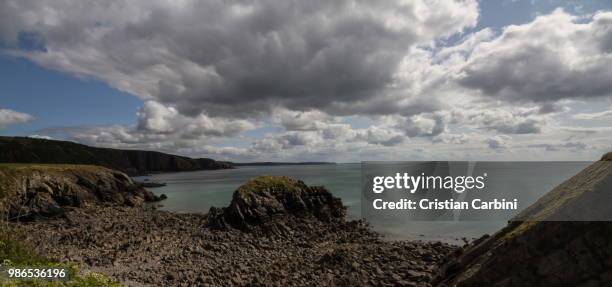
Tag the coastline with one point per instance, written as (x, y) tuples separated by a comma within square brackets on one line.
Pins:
[(156, 248), (277, 231)]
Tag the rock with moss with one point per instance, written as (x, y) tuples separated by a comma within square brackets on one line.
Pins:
[(267, 197), (540, 247), (29, 191)]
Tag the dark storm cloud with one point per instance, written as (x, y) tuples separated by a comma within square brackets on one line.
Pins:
[(237, 57)]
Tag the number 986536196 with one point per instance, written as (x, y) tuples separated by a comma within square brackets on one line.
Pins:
[(26, 273)]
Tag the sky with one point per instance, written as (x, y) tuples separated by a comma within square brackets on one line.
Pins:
[(342, 81)]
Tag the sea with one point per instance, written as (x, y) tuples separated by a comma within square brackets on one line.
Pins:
[(197, 191)]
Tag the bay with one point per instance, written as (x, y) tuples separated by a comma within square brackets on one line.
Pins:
[(197, 191)]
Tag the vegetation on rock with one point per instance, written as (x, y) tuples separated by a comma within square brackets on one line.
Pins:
[(14, 252), (265, 197), (541, 246), (28, 191)]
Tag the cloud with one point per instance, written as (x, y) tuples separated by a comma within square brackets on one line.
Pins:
[(456, 139), (302, 120), (424, 125), (159, 127), (154, 117), (557, 56), (45, 137), (593, 116), (296, 75), (235, 58), (381, 136), (503, 120), (499, 142), (10, 117), (573, 146)]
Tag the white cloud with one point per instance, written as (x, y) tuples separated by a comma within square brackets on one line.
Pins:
[(503, 120), (154, 117), (10, 117), (557, 56), (593, 116), (302, 120), (45, 137), (301, 71)]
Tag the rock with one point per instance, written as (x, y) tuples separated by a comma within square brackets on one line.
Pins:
[(262, 198), (607, 157), (538, 248), (42, 204), (33, 191)]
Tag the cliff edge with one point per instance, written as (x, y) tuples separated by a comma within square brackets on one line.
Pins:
[(540, 246), (29, 191)]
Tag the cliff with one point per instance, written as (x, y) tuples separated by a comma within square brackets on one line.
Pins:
[(132, 162), (30, 191), (540, 246)]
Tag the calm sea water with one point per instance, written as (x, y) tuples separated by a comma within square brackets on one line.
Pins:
[(199, 190)]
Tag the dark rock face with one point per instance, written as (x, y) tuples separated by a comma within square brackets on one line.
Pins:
[(35, 192), (538, 250), (132, 162), (607, 157), (266, 197)]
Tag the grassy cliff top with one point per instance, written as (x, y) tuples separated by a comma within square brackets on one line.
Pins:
[(8, 167), (11, 173), (134, 162)]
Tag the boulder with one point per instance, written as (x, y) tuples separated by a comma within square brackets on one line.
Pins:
[(33, 191), (267, 197), (539, 247)]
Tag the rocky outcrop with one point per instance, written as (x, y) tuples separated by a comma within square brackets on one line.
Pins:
[(607, 157), (33, 191), (266, 197), (132, 162), (539, 248)]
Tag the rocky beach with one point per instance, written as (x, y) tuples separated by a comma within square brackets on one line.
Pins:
[(276, 232)]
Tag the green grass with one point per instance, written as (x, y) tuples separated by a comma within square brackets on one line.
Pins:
[(265, 182), (16, 253), (47, 167), (12, 173)]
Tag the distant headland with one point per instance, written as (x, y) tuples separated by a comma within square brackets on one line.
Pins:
[(270, 163), (131, 162)]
